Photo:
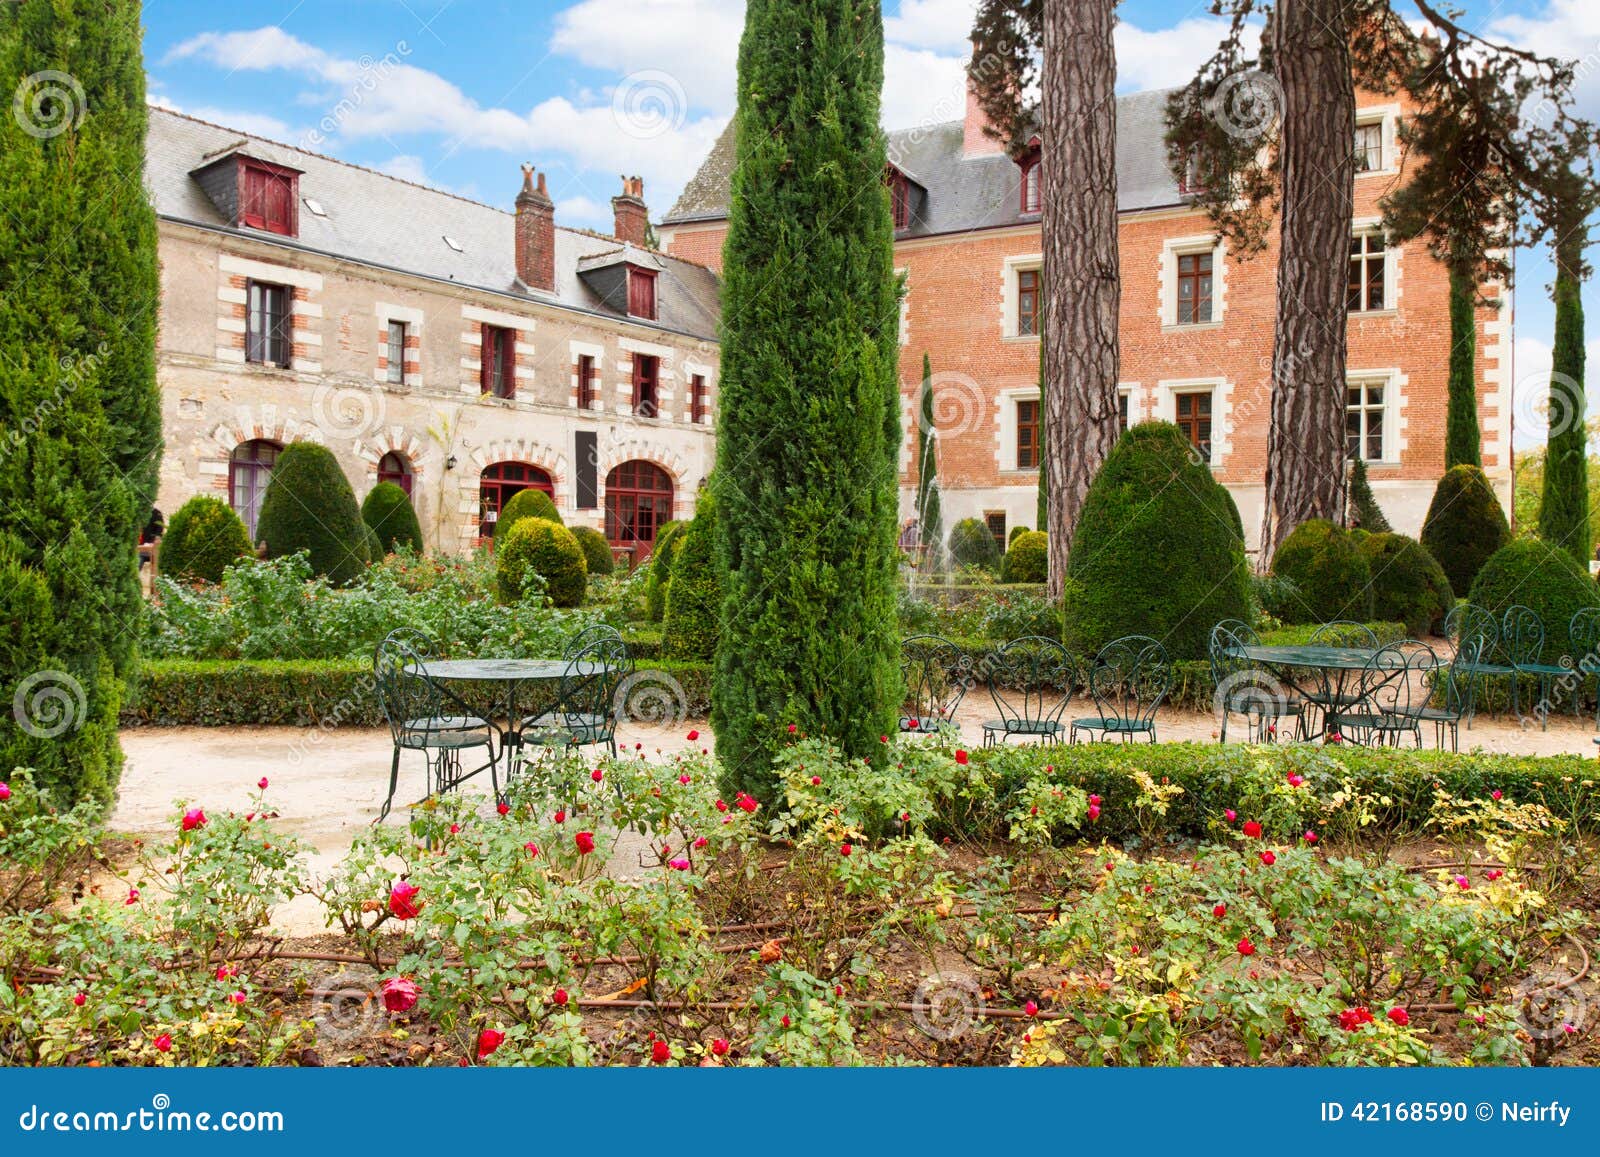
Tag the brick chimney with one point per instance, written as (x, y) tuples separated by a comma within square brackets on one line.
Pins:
[(536, 233), (632, 217), (974, 141)]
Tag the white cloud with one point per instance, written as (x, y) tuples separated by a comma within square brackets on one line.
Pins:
[(255, 123), (257, 49), (1168, 57), (1568, 30), (696, 42), (937, 24), (921, 87), (1531, 390)]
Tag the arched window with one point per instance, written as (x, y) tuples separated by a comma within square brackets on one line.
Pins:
[(499, 482), (395, 467), (249, 468), (638, 500)]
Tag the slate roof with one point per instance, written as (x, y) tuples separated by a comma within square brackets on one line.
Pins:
[(977, 192), (379, 220)]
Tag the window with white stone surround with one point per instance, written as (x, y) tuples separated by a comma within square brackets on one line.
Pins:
[(1022, 297), (388, 317), (1203, 407), (1377, 146), (1374, 415), (1193, 282)]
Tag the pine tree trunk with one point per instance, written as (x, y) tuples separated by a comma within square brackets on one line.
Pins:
[(1462, 442), (1305, 442), (1081, 274)]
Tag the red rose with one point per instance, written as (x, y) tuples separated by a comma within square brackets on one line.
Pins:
[(785, 1020), (684, 779), (1353, 1018), (262, 783), (747, 803), (1094, 812), (701, 841), (1495, 794), (133, 897), (227, 971), (1231, 815), (793, 728), (236, 997), (399, 993), (1252, 829), (845, 849), (1246, 948), (1220, 911), (678, 865), (597, 775), (79, 999), (1031, 1009), (1268, 858), (721, 807), (693, 735), (503, 808), (1310, 837), (455, 829), (961, 757), (489, 1040), (532, 848), (585, 842), (1400, 1016), (193, 818), (816, 781), (660, 1052), (163, 1043), (561, 816), (559, 996), (719, 1047), (5, 792), (1493, 874), (403, 902)]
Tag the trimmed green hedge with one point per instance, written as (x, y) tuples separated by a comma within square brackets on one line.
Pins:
[(596, 550), (203, 538), (1531, 573), (694, 597), (972, 544), (389, 513), (660, 564), (309, 506), (1332, 577), (1465, 524), (1026, 558), (549, 550), (1407, 582), (529, 503)]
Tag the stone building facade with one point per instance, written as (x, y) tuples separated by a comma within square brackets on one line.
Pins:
[(462, 351), (1196, 320)]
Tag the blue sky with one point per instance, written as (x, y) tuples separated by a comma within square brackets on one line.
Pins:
[(457, 93)]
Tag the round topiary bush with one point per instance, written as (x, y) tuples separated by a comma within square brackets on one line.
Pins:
[(1408, 584), (1012, 537), (972, 544), (388, 511), (1154, 552), (309, 506), (596, 550), (694, 597), (549, 550), (203, 538), (1332, 577), (1027, 558), (528, 503), (1530, 572), (1465, 524), (660, 564)]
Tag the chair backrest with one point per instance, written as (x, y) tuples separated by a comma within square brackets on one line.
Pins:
[(1461, 677), (1522, 636), (1584, 631), (1130, 678), (1344, 633), (589, 685), (1398, 680), (593, 633), (1242, 686), (1037, 677), (412, 703), (937, 673), (1226, 638)]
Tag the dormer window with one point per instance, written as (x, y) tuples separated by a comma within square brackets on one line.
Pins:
[(1190, 180), (1032, 177), (899, 196), (642, 293), (269, 197)]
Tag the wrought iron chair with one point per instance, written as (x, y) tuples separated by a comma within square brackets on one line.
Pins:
[(1522, 639), (1395, 687), (586, 708), (1129, 680), (1038, 677), (427, 717), (937, 675), (1332, 692), (593, 633), (1469, 621), (1243, 688), (1456, 690), (1584, 631)]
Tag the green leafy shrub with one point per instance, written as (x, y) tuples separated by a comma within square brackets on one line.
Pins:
[(1332, 577), (1530, 572), (596, 550), (547, 549), (1155, 551), (660, 564), (1027, 558), (1364, 509), (528, 503), (202, 539), (1408, 584), (309, 506), (1015, 531), (972, 544), (388, 511), (1465, 524), (694, 598)]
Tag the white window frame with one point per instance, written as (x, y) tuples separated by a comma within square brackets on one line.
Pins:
[(1373, 226), (1392, 382), (1006, 430), (1011, 290), (1176, 247), (1387, 117), (1165, 409)]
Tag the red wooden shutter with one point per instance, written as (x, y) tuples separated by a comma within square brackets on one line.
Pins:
[(642, 293)]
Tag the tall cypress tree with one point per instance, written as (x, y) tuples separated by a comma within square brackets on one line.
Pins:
[(1564, 509), (930, 517), (1462, 442), (809, 429), (79, 405)]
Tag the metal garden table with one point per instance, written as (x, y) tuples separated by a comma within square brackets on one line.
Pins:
[(1332, 668), (512, 673)]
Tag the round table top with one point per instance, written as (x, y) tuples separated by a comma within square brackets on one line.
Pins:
[(507, 670), (1308, 655)]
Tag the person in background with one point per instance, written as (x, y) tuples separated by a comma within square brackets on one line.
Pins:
[(151, 534), (911, 540)]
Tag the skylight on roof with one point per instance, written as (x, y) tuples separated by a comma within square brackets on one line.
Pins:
[(453, 243), (316, 207)]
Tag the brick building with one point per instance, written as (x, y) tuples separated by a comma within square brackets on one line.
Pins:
[(1196, 320), (459, 350)]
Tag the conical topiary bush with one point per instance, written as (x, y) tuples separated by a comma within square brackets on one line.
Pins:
[(388, 511), (1465, 525), (309, 506)]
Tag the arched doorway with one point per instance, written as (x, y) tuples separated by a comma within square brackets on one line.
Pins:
[(395, 467), (249, 470), (638, 500), (498, 482)]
